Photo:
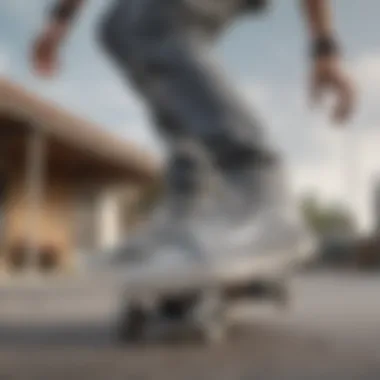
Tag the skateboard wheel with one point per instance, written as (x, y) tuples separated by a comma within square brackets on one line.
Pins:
[(282, 296), (211, 320), (132, 325), (215, 331)]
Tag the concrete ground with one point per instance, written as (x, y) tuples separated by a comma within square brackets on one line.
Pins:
[(332, 331)]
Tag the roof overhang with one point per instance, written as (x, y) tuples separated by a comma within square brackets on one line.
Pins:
[(79, 134)]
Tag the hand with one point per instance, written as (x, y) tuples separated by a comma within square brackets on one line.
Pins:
[(45, 50), (328, 75)]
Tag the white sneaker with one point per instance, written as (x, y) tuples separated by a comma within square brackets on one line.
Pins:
[(269, 232)]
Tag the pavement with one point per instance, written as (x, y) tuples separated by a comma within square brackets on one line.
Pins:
[(331, 331)]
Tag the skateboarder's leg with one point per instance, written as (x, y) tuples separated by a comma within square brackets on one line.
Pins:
[(184, 85)]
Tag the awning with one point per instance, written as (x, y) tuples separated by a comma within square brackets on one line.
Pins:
[(80, 134)]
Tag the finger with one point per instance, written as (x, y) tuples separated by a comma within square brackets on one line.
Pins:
[(44, 67), (37, 57), (348, 95), (345, 105), (44, 62)]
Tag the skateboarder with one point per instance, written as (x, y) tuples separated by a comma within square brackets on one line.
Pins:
[(162, 47)]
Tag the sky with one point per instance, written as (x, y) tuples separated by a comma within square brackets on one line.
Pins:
[(266, 56)]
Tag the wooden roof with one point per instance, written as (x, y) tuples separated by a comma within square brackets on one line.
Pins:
[(79, 133)]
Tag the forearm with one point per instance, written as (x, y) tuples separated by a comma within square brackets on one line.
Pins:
[(318, 16), (60, 17)]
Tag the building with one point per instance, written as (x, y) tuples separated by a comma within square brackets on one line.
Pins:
[(376, 205), (63, 182)]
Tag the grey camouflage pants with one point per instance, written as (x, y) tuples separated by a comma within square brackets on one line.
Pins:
[(164, 48)]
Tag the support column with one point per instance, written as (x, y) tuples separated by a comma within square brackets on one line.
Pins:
[(109, 220), (35, 159)]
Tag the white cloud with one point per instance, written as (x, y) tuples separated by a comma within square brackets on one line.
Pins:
[(367, 71), (346, 173), (346, 170)]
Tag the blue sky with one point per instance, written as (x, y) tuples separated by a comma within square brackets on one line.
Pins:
[(266, 56)]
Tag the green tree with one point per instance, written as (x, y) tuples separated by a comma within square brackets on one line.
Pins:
[(327, 219)]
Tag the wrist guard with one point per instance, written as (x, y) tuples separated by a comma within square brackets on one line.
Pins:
[(255, 5), (64, 10), (324, 47)]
